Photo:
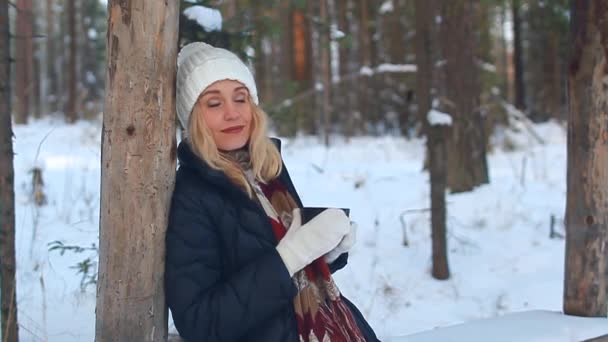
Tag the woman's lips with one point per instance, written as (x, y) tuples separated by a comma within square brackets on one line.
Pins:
[(235, 129)]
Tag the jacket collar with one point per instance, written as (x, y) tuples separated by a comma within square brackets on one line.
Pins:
[(188, 159)]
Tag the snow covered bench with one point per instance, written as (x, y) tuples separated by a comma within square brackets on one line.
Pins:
[(528, 326)]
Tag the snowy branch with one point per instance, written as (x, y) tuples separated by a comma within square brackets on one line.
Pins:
[(209, 19), (437, 118), (518, 115), (364, 71)]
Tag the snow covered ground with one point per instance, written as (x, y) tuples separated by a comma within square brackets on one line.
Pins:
[(501, 257)]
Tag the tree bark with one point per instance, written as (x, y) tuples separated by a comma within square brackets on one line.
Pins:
[(366, 62), (52, 97), (137, 170), (344, 96), (324, 41), (467, 163), (23, 61), (586, 282), (88, 72), (504, 55), (70, 110), (435, 137), (8, 303), (518, 61)]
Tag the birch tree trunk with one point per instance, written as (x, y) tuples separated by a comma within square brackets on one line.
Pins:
[(137, 170)]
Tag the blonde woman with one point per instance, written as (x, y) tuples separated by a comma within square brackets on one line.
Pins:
[(240, 264)]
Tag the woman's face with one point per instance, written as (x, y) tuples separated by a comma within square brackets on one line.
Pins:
[(226, 110)]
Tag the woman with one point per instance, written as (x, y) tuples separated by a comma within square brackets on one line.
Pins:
[(240, 264)]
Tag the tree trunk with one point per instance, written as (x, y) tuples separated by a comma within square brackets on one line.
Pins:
[(435, 137), (8, 302), (585, 286), (52, 96), (518, 61), (343, 95), (36, 60), (138, 169), (316, 101), (437, 153), (260, 64), (70, 109), (504, 55), (324, 41), (467, 163), (88, 70), (366, 62), (23, 61), (301, 66)]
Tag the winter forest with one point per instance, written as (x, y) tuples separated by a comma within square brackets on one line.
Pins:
[(468, 138)]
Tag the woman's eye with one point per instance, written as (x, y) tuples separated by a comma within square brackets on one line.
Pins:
[(240, 99), (213, 104)]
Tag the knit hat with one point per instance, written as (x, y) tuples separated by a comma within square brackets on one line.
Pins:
[(198, 66)]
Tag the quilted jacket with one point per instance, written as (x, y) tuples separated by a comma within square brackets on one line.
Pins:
[(224, 279)]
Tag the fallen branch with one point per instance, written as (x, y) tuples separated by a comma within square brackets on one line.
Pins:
[(521, 116)]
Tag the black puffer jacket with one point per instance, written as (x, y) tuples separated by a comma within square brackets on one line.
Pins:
[(224, 279)]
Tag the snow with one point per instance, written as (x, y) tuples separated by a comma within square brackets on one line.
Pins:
[(534, 325), (209, 18), (501, 257), (489, 67), (90, 77), (397, 67), (336, 33), (92, 34), (367, 71), (437, 118), (386, 7), (386, 67)]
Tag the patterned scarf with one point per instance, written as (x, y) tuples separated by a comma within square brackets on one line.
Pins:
[(321, 313)]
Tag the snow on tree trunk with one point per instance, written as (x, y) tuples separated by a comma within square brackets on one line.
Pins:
[(585, 287), (137, 170)]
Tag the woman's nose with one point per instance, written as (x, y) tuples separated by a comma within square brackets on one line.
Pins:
[(230, 112)]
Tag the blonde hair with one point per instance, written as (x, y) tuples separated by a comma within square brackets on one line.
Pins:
[(266, 161)]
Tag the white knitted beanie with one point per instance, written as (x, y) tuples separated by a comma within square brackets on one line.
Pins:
[(198, 66)]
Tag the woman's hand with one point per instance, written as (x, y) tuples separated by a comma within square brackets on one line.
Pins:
[(304, 243), (344, 246)]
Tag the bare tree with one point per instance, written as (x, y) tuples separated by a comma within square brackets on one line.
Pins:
[(138, 169), (585, 286), (8, 303), (24, 61)]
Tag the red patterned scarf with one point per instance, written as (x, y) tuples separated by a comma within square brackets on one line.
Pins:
[(321, 313)]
